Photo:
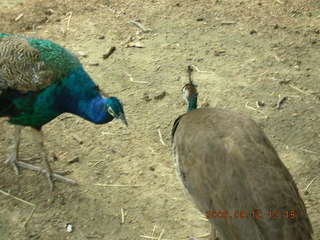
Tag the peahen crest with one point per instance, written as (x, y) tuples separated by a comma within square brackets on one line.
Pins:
[(189, 91)]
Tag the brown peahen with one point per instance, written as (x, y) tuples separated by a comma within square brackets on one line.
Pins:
[(235, 176)]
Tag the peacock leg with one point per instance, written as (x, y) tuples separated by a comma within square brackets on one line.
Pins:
[(39, 139), (14, 149)]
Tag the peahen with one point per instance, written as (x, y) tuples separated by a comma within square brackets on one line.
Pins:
[(39, 80), (235, 176)]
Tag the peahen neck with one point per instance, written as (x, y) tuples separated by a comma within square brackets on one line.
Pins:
[(192, 103)]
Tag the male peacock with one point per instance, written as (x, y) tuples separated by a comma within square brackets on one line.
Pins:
[(39, 80), (235, 176)]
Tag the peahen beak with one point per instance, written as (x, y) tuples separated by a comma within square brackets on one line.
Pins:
[(123, 119)]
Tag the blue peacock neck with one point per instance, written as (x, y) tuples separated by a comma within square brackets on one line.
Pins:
[(77, 94), (192, 103), (94, 110)]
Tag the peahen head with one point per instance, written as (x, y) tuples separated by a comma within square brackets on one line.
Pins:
[(114, 107), (190, 93)]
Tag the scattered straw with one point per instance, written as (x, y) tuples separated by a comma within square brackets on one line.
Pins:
[(198, 70), (18, 17), (308, 186), (308, 151), (122, 216), (204, 218), (204, 235), (23, 201), (161, 139), (116, 185), (131, 79), (141, 26), (254, 109), (299, 90), (30, 216), (18, 199), (161, 234), (149, 237), (68, 22), (154, 229)]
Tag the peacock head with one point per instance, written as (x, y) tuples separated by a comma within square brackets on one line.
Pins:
[(115, 109)]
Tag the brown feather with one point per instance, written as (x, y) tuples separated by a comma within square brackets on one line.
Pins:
[(20, 66), (227, 163)]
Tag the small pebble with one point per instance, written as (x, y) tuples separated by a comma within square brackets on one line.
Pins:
[(82, 54), (200, 19), (69, 227), (253, 32), (152, 168), (74, 160), (260, 104), (146, 97), (160, 96)]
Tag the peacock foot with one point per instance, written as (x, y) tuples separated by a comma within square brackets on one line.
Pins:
[(50, 175), (12, 160)]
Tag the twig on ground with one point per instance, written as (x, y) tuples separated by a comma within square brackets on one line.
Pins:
[(75, 137), (204, 235), (108, 54), (299, 90), (228, 23), (154, 229), (161, 234), (18, 199), (149, 237), (122, 216), (254, 109), (281, 100), (64, 118), (198, 70), (116, 185), (308, 186), (23, 201), (309, 151), (18, 17), (161, 139), (131, 79), (69, 16), (29, 217), (141, 26)]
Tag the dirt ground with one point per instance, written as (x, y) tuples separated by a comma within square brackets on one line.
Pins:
[(245, 51)]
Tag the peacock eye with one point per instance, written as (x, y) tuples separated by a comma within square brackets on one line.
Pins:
[(110, 111), (97, 88)]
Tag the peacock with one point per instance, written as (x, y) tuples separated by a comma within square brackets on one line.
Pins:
[(39, 80), (235, 176)]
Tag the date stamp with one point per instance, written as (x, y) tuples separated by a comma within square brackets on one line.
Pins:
[(256, 214)]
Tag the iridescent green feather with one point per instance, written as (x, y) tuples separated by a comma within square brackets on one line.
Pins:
[(56, 57)]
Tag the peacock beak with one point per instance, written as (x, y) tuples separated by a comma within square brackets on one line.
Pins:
[(123, 119)]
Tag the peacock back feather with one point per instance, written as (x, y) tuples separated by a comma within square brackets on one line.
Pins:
[(30, 64)]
